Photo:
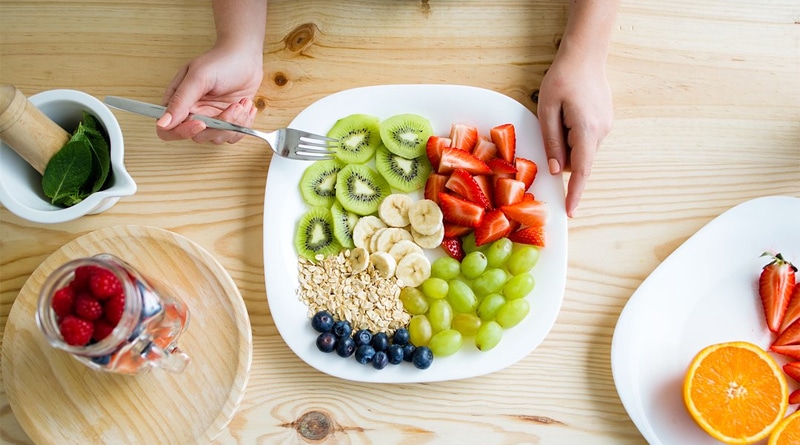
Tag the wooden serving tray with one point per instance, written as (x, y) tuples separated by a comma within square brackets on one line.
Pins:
[(57, 400)]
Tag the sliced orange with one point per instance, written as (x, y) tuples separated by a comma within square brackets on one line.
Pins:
[(787, 432), (736, 392)]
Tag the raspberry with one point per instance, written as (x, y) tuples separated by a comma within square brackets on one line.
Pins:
[(75, 331), (88, 307), (104, 284), (114, 307), (62, 301), (102, 329), (82, 276)]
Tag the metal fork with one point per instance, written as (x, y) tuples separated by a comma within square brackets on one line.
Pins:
[(287, 142)]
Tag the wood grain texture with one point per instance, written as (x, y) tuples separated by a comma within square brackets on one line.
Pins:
[(707, 104)]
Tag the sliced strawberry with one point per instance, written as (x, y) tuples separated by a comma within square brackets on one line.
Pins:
[(434, 185), (527, 212), (528, 197), (508, 191), (434, 149), (454, 230), (505, 138), (460, 211), (792, 313), (775, 285), (788, 343), (792, 369), (501, 167), (494, 226), (485, 149), (453, 247), (526, 171), (486, 187), (794, 397), (465, 185), (533, 235), (453, 158), (463, 136)]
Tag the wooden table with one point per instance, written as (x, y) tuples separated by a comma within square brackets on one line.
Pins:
[(707, 99)]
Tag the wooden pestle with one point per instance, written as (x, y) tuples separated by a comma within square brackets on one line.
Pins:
[(25, 129)]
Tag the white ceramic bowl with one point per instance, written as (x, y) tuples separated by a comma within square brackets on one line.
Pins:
[(20, 185)]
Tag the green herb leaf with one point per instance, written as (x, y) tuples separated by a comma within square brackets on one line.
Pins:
[(67, 171), (101, 155)]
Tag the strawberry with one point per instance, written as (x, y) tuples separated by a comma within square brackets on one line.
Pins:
[(88, 307), (792, 369), (792, 313), (104, 284), (508, 191), (526, 171), (494, 226), (434, 185), (794, 397), (76, 331), (533, 235), (453, 247), (486, 187), (502, 168), (788, 342), (485, 149), (527, 212), (62, 301), (434, 149), (463, 136), (453, 158), (465, 185), (775, 286), (505, 138), (454, 230), (460, 211)]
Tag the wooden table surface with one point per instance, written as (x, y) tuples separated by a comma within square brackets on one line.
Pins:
[(707, 104)]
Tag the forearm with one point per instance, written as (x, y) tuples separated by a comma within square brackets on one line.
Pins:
[(589, 29), (240, 23)]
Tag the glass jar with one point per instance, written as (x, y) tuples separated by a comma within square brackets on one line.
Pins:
[(146, 334)]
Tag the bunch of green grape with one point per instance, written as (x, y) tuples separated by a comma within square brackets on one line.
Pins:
[(479, 297)]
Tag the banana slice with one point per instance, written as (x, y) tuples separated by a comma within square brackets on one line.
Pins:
[(425, 216), (413, 269), (394, 209), (428, 241), (383, 263), (373, 241), (365, 227), (403, 248), (359, 259), (391, 236)]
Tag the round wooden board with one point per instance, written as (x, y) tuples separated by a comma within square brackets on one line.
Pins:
[(57, 399)]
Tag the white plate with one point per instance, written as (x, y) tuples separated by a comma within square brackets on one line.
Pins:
[(704, 293), (443, 105)]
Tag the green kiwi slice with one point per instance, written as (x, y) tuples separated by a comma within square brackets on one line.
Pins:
[(315, 234), (318, 183), (405, 175), (359, 135), (344, 222), (361, 189), (406, 134)]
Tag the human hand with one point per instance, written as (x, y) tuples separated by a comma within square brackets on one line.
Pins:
[(576, 112), (219, 83)]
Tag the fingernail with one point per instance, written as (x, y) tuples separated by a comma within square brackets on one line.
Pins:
[(552, 164), (164, 120)]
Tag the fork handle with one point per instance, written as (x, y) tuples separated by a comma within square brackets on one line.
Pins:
[(218, 124)]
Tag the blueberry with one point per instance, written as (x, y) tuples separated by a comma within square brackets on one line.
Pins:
[(102, 360), (408, 351), (364, 354), (362, 337), (345, 347), (322, 321), (326, 342), (400, 337), (395, 354), (422, 358), (379, 361), (380, 341), (342, 328)]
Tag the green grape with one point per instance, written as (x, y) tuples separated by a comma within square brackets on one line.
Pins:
[(489, 306), (461, 297), (513, 312), (473, 264), (435, 288), (522, 259), (446, 268), (413, 301), (490, 281), (468, 244), (419, 330), (488, 335), (518, 286), (440, 315), (466, 324), (498, 252), (444, 343)]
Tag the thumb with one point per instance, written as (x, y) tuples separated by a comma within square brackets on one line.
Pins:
[(555, 146), (183, 92)]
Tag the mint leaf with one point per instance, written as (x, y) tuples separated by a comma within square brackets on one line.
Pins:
[(67, 171), (101, 154)]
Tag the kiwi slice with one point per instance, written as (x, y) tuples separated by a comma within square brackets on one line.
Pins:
[(359, 135), (402, 174), (406, 134), (315, 234), (361, 189), (343, 223), (318, 183)]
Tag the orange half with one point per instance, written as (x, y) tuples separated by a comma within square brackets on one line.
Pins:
[(787, 432), (736, 392)]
